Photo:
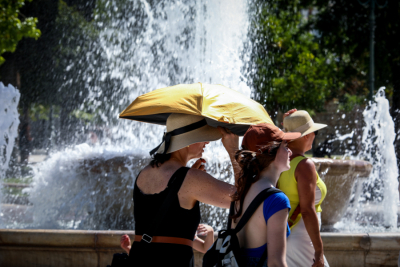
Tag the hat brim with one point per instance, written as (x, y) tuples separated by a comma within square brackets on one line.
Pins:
[(315, 127), (291, 136), (203, 134)]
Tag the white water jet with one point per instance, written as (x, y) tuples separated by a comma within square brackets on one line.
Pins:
[(376, 200), (378, 138), (9, 121)]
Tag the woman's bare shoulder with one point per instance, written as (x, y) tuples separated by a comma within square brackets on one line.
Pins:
[(305, 172), (306, 165)]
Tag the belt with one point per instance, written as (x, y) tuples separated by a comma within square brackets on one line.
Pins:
[(164, 239)]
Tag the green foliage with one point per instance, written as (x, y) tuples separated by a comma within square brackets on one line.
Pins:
[(344, 28), (12, 28), (41, 112), (288, 67), (350, 101), (80, 114), (306, 52)]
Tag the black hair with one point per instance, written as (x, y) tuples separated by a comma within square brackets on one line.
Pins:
[(158, 159)]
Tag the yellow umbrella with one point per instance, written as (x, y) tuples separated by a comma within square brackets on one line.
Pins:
[(220, 105)]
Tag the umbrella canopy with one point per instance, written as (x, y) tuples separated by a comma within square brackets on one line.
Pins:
[(220, 105)]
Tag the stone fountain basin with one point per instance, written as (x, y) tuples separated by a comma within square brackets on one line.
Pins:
[(72, 248), (106, 185), (339, 177)]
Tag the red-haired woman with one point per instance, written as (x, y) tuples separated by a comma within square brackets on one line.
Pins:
[(264, 156)]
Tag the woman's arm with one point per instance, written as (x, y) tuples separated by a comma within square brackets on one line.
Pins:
[(200, 244), (306, 184), (200, 186), (276, 239), (231, 144)]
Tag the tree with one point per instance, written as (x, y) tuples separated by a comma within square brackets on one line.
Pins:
[(53, 71), (12, 29), (287, 67), (305, 52), (344, 29)]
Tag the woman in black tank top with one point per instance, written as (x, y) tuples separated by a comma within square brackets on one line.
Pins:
[(171, 241)]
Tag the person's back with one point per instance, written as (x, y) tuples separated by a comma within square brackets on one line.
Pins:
[(168, 241), (260, 170), (150, 191), (253, 238)]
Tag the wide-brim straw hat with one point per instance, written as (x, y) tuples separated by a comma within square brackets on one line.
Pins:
[(184, 130), (301, 121)]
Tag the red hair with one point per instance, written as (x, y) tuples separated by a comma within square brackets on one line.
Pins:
[(252, 163)]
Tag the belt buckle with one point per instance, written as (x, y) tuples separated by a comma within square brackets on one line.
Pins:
[(148, 238)]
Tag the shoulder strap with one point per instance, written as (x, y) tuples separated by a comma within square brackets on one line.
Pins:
[(174, 188), (254, 205), (231, 213)]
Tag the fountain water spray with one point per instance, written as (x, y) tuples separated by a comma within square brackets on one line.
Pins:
[(176, 42), (376, 200), (9, 121), (378, 139)]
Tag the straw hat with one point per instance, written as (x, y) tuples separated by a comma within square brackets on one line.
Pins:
[(184, 130), (301, 121)]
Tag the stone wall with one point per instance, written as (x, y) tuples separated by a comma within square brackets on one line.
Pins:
[(72, 248)]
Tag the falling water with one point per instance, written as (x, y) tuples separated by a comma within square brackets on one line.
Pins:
[(8, 128), (376, 200), (146, 46)]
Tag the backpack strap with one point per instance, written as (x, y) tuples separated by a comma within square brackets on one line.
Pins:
[(254, 205), (174, 185), (231, 213)]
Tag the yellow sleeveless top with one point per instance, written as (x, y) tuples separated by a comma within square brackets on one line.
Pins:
[(288, 184)]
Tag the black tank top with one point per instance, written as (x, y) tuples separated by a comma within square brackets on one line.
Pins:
[(178, 222)]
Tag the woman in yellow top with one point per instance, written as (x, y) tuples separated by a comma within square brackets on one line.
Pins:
[(306, 191)]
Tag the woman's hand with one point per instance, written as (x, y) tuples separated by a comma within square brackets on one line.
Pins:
[(229, 140), (203, 230), (207, 240), (287, 113), (199, 164), (125, 243), (318, 260)]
